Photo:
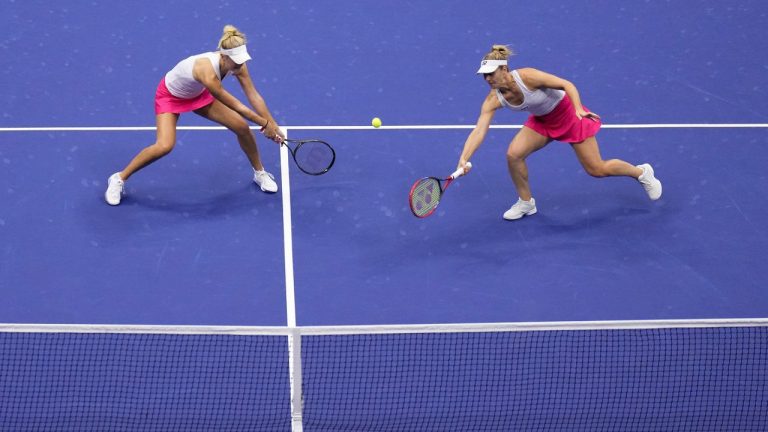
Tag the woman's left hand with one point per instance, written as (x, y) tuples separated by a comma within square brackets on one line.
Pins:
[(273, 132), (581, 113), (280, 137)]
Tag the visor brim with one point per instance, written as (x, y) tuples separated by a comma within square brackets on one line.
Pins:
[(240, 58), (487, 69)]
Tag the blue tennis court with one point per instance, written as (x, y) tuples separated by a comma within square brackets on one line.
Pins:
[(195, 243)]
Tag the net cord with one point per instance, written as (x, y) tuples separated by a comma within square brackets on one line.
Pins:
[(382, 329)]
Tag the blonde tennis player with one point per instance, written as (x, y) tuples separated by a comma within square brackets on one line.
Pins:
[(195, 85), (556, 114)]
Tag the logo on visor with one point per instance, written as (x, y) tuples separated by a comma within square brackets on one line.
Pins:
[(484, 62)]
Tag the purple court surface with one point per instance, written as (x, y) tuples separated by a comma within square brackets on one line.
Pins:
[(195, 242)]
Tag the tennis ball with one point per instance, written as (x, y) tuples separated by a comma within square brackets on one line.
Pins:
[(376, 122)]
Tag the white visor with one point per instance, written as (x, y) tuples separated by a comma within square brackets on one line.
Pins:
[(488, 66), (238, 55)]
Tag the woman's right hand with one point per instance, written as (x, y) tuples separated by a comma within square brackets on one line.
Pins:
[(463, 164)]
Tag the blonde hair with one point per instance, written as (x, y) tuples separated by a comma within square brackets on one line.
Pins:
[(232, 38), (499, 52)]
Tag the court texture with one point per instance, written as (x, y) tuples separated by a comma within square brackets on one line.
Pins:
[(680, 85)]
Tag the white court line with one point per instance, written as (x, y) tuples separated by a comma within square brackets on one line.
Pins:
[(285, 183), (394, 127), (294, 338)]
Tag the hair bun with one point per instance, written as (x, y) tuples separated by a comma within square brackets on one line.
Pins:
[(231, 37)]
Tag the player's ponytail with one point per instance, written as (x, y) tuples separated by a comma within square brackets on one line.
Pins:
[(231, 38)]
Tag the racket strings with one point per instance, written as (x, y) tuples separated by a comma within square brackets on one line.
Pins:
[(314, 157), (426, 196)]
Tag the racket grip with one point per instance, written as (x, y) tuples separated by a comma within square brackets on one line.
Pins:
[(460, 172)]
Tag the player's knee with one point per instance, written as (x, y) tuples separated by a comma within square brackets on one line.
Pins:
[(241, 128), (163, 147), (596, 170), (514, 156)]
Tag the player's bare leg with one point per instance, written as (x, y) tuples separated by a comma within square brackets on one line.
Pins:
[(166, 140), (588, 154), (225, 116), (523, 144)]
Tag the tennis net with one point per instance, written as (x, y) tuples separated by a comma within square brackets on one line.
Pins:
[(595, 376)]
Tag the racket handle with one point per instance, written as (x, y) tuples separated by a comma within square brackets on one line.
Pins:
[(460, 172)]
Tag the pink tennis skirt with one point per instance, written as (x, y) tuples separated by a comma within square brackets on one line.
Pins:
[(165, 102), (562, 124)]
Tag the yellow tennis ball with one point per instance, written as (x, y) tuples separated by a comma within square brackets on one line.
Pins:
[(376, 122)]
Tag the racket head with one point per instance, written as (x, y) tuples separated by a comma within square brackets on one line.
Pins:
[(424, 196), (314, 157)]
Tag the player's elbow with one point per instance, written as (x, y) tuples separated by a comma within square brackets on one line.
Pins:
[(567, 85)]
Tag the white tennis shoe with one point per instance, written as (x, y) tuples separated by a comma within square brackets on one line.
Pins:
[(115, 187), (521, 208), (650, 183), (265, 180)]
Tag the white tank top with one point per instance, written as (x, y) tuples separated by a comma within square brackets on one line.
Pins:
[(180, 81), (538, 102)]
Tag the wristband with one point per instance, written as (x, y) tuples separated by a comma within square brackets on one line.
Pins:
[(265, 126)]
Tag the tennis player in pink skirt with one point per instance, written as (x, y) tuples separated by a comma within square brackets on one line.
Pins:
[(195, 85), (556, 114)]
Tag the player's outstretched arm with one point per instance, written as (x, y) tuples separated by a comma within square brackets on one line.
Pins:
[(476, 137), (203, 73), (256, 100)]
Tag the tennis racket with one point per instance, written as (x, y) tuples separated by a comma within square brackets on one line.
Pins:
[(426, 192), (312, 156)]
